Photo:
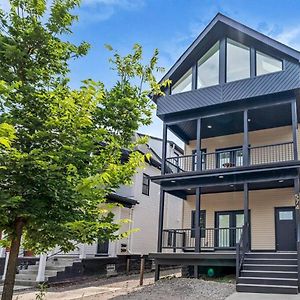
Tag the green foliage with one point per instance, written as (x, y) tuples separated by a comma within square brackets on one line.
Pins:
[(42, 290), (63, 150)]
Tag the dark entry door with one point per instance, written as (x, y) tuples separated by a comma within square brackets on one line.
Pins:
[(285, 229)]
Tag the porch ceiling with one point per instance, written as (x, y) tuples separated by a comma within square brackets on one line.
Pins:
[(229, 188), (262, 118)]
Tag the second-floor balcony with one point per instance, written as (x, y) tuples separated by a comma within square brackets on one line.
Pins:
[(233, 158)]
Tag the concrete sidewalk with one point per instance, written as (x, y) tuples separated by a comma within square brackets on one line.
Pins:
[(258, 296)]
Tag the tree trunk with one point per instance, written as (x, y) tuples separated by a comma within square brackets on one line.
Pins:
[(9, 281)]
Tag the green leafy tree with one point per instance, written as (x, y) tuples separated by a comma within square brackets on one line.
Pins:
[(62, 149)]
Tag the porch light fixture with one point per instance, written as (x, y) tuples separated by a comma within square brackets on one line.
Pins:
[(173, 181), (221, 176), (249, 120), (209, 126)]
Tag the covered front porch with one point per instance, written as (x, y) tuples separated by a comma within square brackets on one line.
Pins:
[(224, 221), (223, 218)]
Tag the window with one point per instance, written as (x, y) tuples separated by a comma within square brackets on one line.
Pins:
[(208, 68), (184, 84), (266, 64), (286, 215), (146, 184), (202, 223), (238, 61)]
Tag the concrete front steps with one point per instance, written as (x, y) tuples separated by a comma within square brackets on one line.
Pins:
[(269, 273), (55, 267)]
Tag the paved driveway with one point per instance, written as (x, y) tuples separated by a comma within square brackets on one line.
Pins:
[(258, 296)]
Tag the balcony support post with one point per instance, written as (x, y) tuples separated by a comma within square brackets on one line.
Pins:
[(198, 146), (246, 214), (197, 228), (295, 128), (246, 140), (164, 149), (160, 229), (297, 213)]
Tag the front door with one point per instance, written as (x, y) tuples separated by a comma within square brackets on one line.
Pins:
[(285, 229), (229, 227)]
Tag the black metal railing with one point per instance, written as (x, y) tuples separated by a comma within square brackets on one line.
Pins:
[(271, 153), (211, 239), (178, 164), (258, 155), (242, 247)]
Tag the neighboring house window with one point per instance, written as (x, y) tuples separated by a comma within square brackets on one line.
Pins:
[(208, 68), (202, 223), (238, 61), (184, 84), (146, 184), (266, 64)]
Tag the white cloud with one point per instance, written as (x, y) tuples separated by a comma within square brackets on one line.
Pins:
[(4, 4), (290, 37), (126, 4), (102, 10)]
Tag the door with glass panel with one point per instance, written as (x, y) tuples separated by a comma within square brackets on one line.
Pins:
[(228, 228), (229, 157)]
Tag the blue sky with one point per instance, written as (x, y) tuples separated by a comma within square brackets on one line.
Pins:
[(170, 26)]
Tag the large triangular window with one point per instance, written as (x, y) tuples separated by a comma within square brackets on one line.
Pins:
[(238, 61), (184, 84), (208, 68), (266, 64)]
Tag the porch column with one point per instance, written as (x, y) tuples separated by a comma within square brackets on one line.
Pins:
[(246, 140), (294, 127), (164, 149), (297, 206), (197, 228), (82, 252), (198, 146), (297, 214), (246, 210), (160, 229), (42, 268), (5, 265)]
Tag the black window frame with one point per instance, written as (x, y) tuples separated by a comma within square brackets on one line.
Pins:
[(146, 185), (202, 223)]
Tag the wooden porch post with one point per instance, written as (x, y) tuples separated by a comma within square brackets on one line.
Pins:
[(164, 149), (246, 140), (197, 227), (246, 212), (198, 146), (295, 127), (160, 229)]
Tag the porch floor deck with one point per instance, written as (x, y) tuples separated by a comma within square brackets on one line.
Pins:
[(218, 258)]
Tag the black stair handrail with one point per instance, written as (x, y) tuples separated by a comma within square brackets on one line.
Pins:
[(242, 247)]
